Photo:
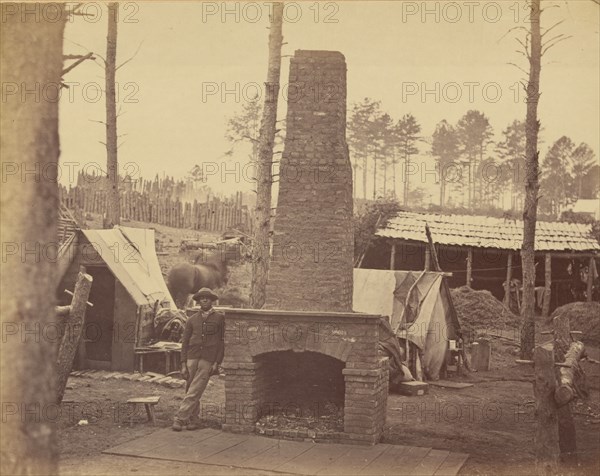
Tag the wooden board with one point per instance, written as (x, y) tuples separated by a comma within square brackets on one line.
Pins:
[(386, 462), (452, 464), (353, 461), (313, 460), (277, 455), (201, 450), (151, 400), (242, 452), (410, 460), (431, 462), (213, 447), (450, 384)]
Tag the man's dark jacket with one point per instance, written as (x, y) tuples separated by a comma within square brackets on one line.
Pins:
[(203, 336)]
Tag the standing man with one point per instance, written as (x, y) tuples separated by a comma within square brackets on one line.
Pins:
[(201, 352)]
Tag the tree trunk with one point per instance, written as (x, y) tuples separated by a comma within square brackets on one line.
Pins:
[(384, 163), (394, 174), (469, 267), (74, 323), (546, 434), (442, 190), (567, 436), (364, 184), (406, 179), (30, 58), (470, 185), (590, 280), (532, 127), (112, 163), (507, 287), (261, 247), (547, 285), (374, 177)]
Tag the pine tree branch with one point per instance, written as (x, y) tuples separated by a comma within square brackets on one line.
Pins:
[(518, 67), (132, 57)]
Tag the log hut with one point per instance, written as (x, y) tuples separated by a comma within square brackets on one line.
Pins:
[(483, 253)]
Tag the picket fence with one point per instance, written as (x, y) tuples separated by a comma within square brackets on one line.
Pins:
[(215, 215)]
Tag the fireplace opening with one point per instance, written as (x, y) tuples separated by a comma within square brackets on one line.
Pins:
[(301, 391)]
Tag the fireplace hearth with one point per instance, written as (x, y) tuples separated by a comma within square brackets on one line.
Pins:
[(305, 364)]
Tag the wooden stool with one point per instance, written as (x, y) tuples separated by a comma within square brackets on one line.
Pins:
[(148, 402)]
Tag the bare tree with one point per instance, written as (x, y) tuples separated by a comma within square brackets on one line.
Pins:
[(30, 60), (536, 44), (113, 216), (261, 248), (532, 186)]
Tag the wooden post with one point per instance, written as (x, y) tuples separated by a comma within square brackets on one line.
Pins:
[(546, 434), (547, 285), (393, 257), (469, 267), (567, 439), (590, 279), (72, 334), (427, 259), (508, 280)]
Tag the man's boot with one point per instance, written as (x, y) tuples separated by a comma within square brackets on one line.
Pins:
[(193, 425), (177, 426)]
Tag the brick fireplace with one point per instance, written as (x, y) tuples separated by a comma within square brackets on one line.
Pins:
[(305, 361), (307, 353)]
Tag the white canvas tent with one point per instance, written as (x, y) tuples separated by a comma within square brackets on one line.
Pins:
[(127, 288), (418, 308), (131, 256)]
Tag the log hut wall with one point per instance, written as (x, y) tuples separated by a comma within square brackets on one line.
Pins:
[(489, 266)]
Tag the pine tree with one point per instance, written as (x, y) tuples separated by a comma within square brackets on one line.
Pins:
[(474, 132), (408, 130), (511, 150), (445, 149)]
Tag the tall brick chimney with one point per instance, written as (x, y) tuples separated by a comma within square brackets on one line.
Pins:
[(313, 240)]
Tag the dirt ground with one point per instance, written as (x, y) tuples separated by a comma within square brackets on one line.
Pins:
[(493, 421)]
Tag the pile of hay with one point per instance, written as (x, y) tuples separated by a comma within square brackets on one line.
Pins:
[(584, 317), (479, 312)]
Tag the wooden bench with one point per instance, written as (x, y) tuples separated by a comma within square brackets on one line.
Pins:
[(148, 402), (170, 357)]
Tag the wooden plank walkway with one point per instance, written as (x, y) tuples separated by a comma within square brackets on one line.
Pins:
[(209, 446)]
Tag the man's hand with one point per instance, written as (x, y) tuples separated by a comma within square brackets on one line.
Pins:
[(185, 372), (214, 369)]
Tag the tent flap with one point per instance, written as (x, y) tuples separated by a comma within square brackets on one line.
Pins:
[(417, 307), (131, 256)]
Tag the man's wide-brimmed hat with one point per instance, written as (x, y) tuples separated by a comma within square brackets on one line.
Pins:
[(205, 292)]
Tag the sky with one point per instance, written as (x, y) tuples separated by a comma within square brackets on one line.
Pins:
[(193, 64)]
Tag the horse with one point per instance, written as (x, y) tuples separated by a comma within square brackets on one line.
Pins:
[(185, 279)]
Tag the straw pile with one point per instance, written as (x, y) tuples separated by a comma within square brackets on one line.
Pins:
[(479, 311), (584, 317)]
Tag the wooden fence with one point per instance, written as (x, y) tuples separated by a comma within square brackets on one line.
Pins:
[(214, 215)]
